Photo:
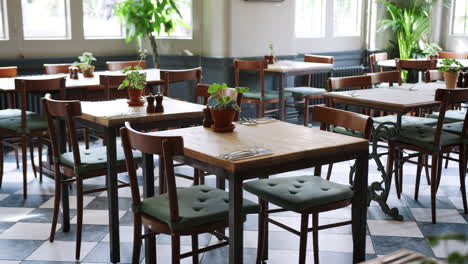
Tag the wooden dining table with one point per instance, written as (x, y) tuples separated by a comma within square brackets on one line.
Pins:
[(399, 100), (285, 68), (292, 147)]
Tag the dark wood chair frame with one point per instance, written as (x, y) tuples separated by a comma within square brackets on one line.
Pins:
[(120, 65), (177, 76), (327, 117), (452, 55), (166, 148), (56, 68), (376, 57)]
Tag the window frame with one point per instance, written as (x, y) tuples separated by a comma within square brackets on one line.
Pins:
[(452, 20), (359, 17), (68, 27), (164, 36), (122, 30), (3, 11), (323, 23)]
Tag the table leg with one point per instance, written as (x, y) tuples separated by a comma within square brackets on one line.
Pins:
[(359, 208), (282, 84), (235, 220), (112, 194), (148, 191), (65, 202)]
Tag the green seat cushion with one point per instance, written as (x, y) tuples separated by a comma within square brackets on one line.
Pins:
[(454, 128), (95, 159), (405, 120), (451, 116), (423, 136), (305, 91), (34, 122), (269, 95), (198, 205), (8, 113), (348, 132), (299, 193)]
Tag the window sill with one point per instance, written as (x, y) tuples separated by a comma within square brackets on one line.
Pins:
[(103, 38), (310, 37), (170, 37), (46, 38), (458, 35)]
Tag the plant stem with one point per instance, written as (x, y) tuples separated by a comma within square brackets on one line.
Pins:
[(154, 50)]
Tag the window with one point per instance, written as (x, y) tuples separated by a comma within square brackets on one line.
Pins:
[(46, 19), (183, 28), (460, 17), (347, 17), (3, 20), (310, 16), (99, 20)]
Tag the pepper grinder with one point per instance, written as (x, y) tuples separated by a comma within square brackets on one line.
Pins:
[(150, 107), (159, 103), (207, 121)]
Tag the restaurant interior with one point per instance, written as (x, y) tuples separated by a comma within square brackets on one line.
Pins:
[(233, 131)]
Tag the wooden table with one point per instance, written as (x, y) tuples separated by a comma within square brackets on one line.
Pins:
[(398, 100), (284, 69), (392, 63), (293, 147), (106, 117)]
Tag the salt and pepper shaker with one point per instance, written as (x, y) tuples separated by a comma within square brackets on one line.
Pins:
[(73, 71), (150, 107), (159, 103), (207, 121)]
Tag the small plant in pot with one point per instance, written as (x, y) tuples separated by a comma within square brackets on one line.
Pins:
[(135, 82), (451, 69), (86, 64), (430, 51), (224, 108), (270, 58)]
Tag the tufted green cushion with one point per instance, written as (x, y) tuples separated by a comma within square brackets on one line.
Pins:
[(348, 132), (451, 116), (8, 113), (269, 95), (405, 120), (34, 122), (423, 136), (299, 193), (455, 128), (305, 91), (95, 159), (198, 205)]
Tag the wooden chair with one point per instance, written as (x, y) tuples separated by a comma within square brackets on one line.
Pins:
[(260, 97), (312, 190), (416, 65), (120, 65), (177, 76), (308, 93), (56, 68), (374, 58), (452, 55), (390, 77), (433, 141), (27, 125), (77, 165), (8, 72), (179, 212)]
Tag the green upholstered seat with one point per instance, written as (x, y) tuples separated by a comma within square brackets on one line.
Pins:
[(198, 205), (95, 159), (34, 122), (299, 193), (8, 113), (454, 128), (423, 136), (269, 95), (451, 116), (348, 132), (405, 120), (305, 91)]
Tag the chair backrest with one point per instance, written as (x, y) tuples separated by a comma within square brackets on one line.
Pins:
[(452, 55), (389, 77), (433, 75), (202, 91), (376, 57), (56, 68), (448, 98), (421, 65), (327, 117), (62, 110), (251, 65), (166, 148), (110, 83), (319, 59), (361, 82), (120, 65), (176, 76), (8, 72)]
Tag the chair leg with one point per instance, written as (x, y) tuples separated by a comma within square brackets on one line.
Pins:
[(397, 173), (31, 154), (306, 111), (400, 172), (196, 176), (462, 168), (257, 110), (16, 157), (39, 150), (1, 163), (24, 153), (79, 214), (390, 162), (447, 160), (435, 157), (439, 171), (194, 249), (329, 171), (262, 110), (318, 171), (315, 245), (175, 249), (418, 176), (426, 168), (303, 238), (57, 194), (136, 238), (261, 233), (86, 137)]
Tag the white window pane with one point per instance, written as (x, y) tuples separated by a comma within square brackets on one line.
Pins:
[(2, 18), (460, 21), (185, 9), (347, 17), (309, 18), (99, 20), (45, 19)]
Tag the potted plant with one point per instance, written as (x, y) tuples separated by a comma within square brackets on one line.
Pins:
[(136, 83), (430, 50), (451, 69), (86, 64), (270, 58), (224, 108)]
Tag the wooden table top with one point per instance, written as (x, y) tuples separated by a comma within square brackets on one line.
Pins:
[(8, 84), (285, 66), (394, 99), (117, 112), (287, 142), (392, 64)]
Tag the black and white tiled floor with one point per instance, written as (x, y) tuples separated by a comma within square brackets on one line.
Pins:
[(25, 224)]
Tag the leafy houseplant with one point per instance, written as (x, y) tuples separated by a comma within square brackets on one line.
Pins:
[(451, 69), (86, 64), (431, 49), (454, 257), (224, 108), (144, 18), (135, 82), (270, 58)]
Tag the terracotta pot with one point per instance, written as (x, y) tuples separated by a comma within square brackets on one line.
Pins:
[(135, 97), (270, 59), (88, 72), (451, 79), (223, 120)]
